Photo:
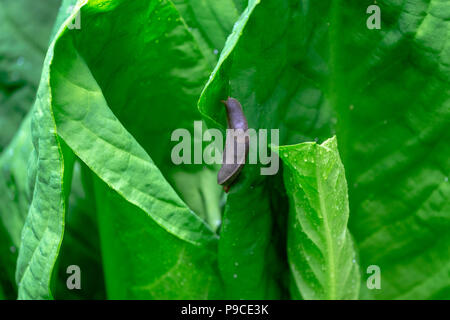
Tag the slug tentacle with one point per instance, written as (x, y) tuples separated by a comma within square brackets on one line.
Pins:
[(236, 145)]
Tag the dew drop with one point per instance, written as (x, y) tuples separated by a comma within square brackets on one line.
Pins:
[(20, 61), (216, 51), (235, 275)]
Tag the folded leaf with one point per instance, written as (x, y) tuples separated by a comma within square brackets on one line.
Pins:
[(24, 38), (320, 249), (73, 115)]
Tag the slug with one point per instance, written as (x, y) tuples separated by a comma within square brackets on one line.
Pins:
[(239, 143)]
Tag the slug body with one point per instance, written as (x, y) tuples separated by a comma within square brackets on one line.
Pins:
[(236, 145)]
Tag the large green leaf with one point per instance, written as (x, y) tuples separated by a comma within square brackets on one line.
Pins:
[(320, 250), (77, 97), (25, 35), (392, 94), (262, 43), (306, 66)]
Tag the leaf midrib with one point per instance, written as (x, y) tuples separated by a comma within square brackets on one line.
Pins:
[(328, 239)]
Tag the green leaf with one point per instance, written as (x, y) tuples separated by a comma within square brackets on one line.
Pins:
[(268, 39), (248, 261), (393, 100), (143, 261), (262, 43), (306, 67), (210, 21), (65, 10), (26, 34), (43, 228), (25, 30), (81, 243), (15, 194), (320, 250), (77, 98), (8, 258), (15, 198)]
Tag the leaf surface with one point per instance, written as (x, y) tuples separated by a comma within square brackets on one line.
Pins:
[(210, 21), (393, 102), (25, 30), (321, 254)]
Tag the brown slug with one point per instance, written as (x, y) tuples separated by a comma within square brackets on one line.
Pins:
[(236, 144)]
